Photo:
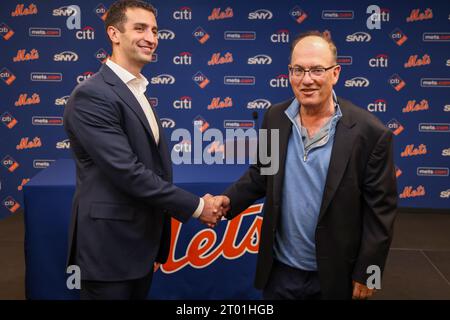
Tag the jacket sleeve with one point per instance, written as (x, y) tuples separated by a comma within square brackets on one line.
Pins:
[(379, 209), (96, 124)]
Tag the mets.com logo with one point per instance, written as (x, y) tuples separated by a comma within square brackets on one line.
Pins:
[(46, 76), (239, 80), (434, 127)]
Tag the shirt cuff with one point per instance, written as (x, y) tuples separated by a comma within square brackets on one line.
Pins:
[(199, 210)]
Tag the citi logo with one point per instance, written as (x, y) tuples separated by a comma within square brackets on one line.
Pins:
[(378, 105), (357, 82), (183, 58), (358, 37), (184, 13), (281, 36), (281, 81), (100, 11), (61, 101), (163, 79), (87, 33), (101, 55), (260, 59), (395, 126), (166, 34), (380, 61), (183, 146), (65, 144), (68, 56), (258, 104), (5, 32), (298, 14), (84, 76), (167, 123), (260, 14), (183, 103), (7, 76)]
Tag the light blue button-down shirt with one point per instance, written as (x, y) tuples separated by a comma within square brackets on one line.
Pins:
[(307, 162)]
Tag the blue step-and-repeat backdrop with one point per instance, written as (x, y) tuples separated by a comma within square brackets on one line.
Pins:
[(220, 61)]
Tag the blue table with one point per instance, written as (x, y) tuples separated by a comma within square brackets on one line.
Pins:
[(225, 271)]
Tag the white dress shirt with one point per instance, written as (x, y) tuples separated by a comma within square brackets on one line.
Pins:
[(138, 86)]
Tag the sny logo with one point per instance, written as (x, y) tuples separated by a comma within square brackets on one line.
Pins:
[(163, 79), (260, 14)]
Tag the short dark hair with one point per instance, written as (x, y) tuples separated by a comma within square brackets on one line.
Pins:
[(325, 35), (116, 14)]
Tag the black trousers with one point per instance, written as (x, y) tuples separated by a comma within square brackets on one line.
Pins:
[(137, 289), (287, 283)]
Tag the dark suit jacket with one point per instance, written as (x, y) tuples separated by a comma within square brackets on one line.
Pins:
[(124, 193), (358, 208)]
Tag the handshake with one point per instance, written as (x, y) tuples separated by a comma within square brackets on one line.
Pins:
[(214, 209)]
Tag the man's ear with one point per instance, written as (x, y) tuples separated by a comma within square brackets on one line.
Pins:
[(113, 34), (336, 73)]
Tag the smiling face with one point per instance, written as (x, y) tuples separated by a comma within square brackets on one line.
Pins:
[(313, 92), (133, 47)]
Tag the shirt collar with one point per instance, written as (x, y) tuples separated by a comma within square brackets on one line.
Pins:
[(294, 108), (127, 77)]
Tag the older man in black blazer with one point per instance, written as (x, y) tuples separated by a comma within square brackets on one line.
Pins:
[(124, 195), (330, 208)]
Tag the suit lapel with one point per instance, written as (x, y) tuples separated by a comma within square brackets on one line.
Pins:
[(163, 148), (285, 127), (127, 96), (342, 148)]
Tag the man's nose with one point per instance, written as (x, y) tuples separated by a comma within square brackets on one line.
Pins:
[(151, 37), (307, 78)]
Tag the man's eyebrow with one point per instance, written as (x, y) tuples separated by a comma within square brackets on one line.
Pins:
[(140, 24)]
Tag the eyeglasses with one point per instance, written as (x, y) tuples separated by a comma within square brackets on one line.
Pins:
[(316, 72)]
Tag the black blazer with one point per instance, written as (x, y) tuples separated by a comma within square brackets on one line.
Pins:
[(358, 208), (124, 193)]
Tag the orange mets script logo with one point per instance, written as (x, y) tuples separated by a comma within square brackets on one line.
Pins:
[(216, 14), (412, 106), (22, 56), (26, 144), (217, 59), (22, 11), (217, 104), (416, 15), (409, 192), (414, 62), (200, 252), (410, 151)]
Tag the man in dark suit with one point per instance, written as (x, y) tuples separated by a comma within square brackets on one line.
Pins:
[(330, 208), (124, 195)]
